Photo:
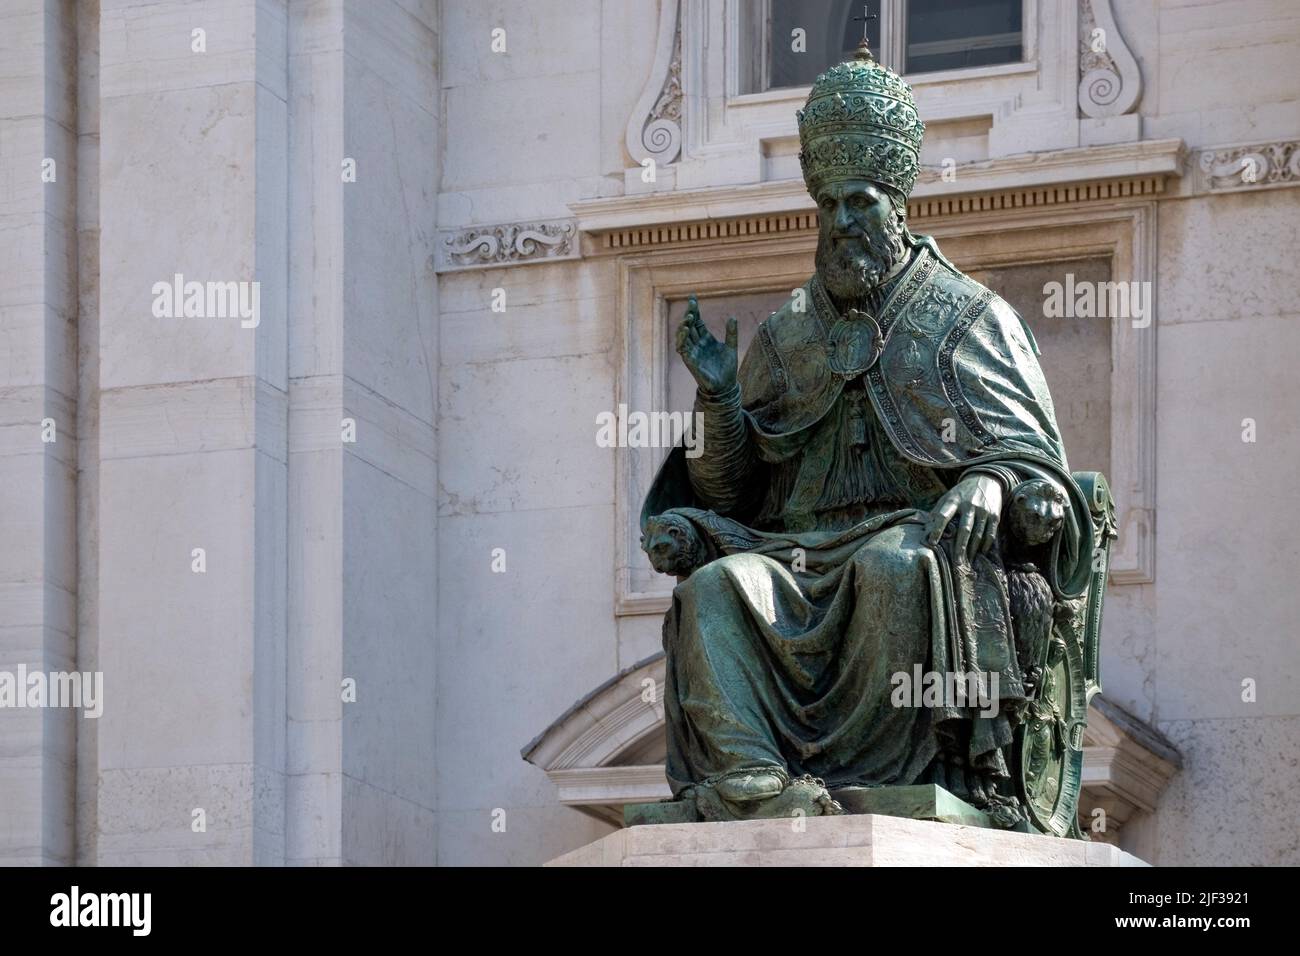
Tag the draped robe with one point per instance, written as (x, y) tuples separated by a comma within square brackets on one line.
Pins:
[(810, 499)]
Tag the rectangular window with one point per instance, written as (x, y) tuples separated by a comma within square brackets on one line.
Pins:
[(830, 36), (953, 34), (787, 43)]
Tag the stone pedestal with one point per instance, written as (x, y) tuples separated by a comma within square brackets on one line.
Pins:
[(853, 840)]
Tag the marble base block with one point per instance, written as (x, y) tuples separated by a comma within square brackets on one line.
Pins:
[(853, 840)]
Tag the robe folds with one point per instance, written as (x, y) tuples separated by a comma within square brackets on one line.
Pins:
[(818, 587)]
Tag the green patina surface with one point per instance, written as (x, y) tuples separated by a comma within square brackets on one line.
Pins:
[(890, 581), (920, 802)]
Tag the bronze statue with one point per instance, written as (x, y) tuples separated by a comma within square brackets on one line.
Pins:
[(883, 492)]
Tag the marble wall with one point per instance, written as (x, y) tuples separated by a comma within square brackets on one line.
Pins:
[(1220, 611), (238, 521)]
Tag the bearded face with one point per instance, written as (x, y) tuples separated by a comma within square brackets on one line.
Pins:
[(860, 238)]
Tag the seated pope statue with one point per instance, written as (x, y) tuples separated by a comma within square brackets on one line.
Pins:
[(882, 483)]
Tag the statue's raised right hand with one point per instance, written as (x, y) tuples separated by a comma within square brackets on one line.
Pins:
[(712, 363)]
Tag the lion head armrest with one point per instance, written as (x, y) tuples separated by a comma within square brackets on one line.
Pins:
[(681, 540), (673, 544)]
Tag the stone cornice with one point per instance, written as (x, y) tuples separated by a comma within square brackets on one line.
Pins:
[(1032, 179), (1057, 178)]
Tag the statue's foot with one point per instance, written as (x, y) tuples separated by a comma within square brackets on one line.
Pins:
[(982, 793), (1005, 812), (763, 793), (748, 786)]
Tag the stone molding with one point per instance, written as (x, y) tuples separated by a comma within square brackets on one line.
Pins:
[(1051, 178), (610, 721), (783, 207), (602, 791), (918, 211), (1126, 764), (506, 244)]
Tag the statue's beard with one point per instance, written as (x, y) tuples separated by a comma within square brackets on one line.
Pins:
[(850, 268)]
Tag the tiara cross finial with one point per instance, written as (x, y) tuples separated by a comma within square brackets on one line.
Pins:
[(864, 50)]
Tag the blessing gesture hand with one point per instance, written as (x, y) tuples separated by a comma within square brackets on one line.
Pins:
[(710, 362)]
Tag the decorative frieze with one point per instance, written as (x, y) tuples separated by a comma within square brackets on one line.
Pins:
[(1013, 199), (508, 244), (1255, 166), (709, 230), (760, 226)]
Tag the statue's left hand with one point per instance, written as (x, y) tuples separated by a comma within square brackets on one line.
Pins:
[(976, 503)]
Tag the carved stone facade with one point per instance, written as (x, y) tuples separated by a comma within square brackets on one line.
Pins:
[(1257, 166), (654, 131), (1110, 83)]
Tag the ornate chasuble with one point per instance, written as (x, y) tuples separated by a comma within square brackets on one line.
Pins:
[(957, 384), (847, 472)]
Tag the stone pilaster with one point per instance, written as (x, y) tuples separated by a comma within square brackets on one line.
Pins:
[(362, 387), (192, 484), (38, 427)]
